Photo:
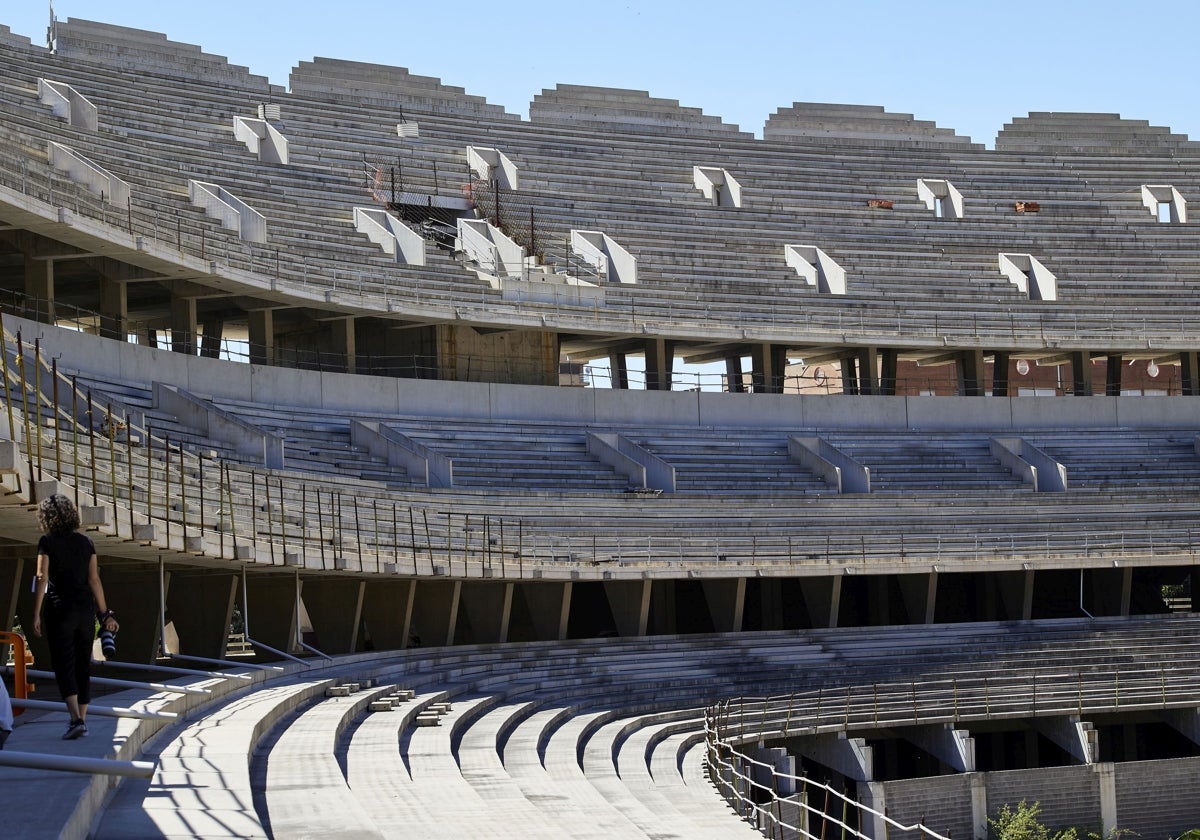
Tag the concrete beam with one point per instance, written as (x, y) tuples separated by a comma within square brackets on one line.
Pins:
[(953, 747), (849, 756), (1078, 738)]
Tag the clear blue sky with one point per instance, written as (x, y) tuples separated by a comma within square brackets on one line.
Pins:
[(970, 66)]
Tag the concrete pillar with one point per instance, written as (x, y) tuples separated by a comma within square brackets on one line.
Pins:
[(335, 609), (931, 598), (629, 602), (435, 612), (1107, 778), (868, 364), (971, 373), (183, 325), (39, 290), (619, 371), (769, 362), (733, 373), (271, 610), (726, 603), (1081, 373), (386, 612), (200, 605), (485, 611), (549, 608), (1027, 600), (1000, 374), (261, 324), (1189, 372), (343, 341), (114, 309), (979, 809), (210, 342), (1112, 375), (821, 596), (660, 362), (888, 362), (849, 374)]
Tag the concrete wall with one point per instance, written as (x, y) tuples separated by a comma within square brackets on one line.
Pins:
[(1068, 795), (942, 803), (382, 395), (1158, 799)]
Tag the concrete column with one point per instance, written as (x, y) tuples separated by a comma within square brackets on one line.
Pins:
[(1189, 372), (726, 603), (183, 325), (1081, 373), (435, 612), (849, 375), (971, 373), (271, 610), (549, 608), (660, 362), (931, 598), (1000, 374), (486, 607), (868, 364), (1106, 774), (821, 596), (979, 810), (629, 602), (386, 610), (1112, 375), (733, 373), (335, 609), (39, 287), (200, 604), (114, 309), (210, 343), (619, 371), (262, 336), (888, 361), (343, 341), (1027, 600), (769, 361)]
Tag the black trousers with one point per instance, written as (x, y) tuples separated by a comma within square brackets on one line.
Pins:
[(70, 630)]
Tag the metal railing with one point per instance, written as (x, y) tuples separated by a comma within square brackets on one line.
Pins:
[(766, 796), (192, 237)]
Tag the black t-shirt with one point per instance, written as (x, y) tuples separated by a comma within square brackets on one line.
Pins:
[(69, 556)]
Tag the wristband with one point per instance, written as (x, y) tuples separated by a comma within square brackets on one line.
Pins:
[(104, 615)]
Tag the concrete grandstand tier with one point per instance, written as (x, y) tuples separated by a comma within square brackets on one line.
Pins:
[(814, 122), (628, 110), (1058, 131)]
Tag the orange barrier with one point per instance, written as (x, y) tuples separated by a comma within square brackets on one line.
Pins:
[(21, 686)]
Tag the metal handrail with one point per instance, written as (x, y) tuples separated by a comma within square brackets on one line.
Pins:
[(77, 764)]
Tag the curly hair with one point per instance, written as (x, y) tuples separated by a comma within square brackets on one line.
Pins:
[(57, 515)]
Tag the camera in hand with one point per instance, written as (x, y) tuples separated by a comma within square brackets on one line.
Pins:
[(108, 643)]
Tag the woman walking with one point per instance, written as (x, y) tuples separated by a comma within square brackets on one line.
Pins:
[(68, 586)]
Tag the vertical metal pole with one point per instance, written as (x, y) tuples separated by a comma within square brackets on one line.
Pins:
[(128, 470), (57, 447), (375, 515), (282, 523), (37, 399), (74, 427), (25, 411), (92, 444), (182, 495), (320, 529), (162, 608), (270, 521), (112, 472)]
